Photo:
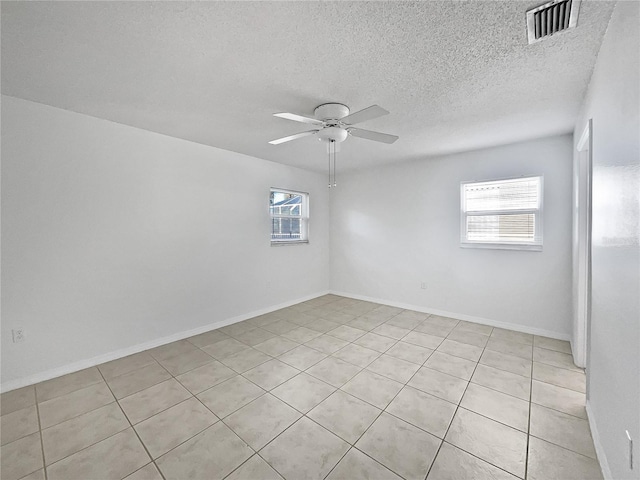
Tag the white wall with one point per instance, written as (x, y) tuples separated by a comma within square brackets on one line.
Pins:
[(114, 237), (613, 373), (395, 227)]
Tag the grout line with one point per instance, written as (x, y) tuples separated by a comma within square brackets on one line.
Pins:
[(44, 464), (526, 453)]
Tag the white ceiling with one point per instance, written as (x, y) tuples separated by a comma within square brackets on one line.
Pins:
[(454, 75)]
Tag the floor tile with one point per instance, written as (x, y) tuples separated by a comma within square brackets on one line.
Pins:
[(399, 446), (18, 424), (510, 348), (552, 344), (201, 378), (391, 331), (22, 457), (474, 327), (262, 420), (271, 374), (355, 465), (254, 337), (57, 387), (148, 472), (455, 464), (280, 327), (423, 340), (344, 415), (306, 450), (394, 368), (367, 324), (73, 404), (346, 333), (551, 462), (423, 410), (73, 435), (303, 392), (327, 344), (245, 360), (17, 399), (334, 371), (225, 348), (472, 338), (212, 454), (164, 352), (301, 334), (408, 323), (503, 446), (556, 359), (115, 457), (442, 321), (228, 396), (255, 469), (37, 475), (510, 335), (263, 320), (502, 381), (124, 365), (433, 329), (561, 429), (237, 328), (207, 338), (376, 342), (373, 388), (439, 384), (357, 355), (138, 380), (560, 377), (302, 357), (170, 428), (456, 366), (558, 398), (276, 346), (509, 363), (409, 352), (152, 400), (183, 362), (497, 406), (322, 325), (462, 350), (301, 319)]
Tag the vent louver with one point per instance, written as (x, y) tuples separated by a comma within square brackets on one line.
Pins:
[(551, 18)]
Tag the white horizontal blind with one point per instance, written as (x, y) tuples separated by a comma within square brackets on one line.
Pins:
[(502, 212)]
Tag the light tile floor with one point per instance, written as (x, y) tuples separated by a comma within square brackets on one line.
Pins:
[(331, 388)]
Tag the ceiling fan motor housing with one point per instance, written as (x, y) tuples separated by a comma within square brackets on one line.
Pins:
[(331, 111)]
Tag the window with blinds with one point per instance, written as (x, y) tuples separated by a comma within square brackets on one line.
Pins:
[(289, 216), (502, 213)]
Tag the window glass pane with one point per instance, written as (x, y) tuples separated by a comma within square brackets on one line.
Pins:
[(501, 228), (283, 229), (519, 194), (285, 203)]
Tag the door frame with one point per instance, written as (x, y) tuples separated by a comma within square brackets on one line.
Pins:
[(582, 302)]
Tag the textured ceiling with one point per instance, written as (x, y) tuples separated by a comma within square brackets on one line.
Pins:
[(454, 75)]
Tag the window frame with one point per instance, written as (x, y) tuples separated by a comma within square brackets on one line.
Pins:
[(535, 245), (304, 217)]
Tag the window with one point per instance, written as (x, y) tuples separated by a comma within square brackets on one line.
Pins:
[(289, 216), (502, 214)]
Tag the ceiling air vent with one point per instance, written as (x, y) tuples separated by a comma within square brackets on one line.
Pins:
[(551, 18)]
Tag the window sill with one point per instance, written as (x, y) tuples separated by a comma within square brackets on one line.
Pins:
[(291, 242), (503, 246)]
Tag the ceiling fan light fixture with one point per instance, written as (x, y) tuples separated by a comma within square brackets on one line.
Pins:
[(334, 134)]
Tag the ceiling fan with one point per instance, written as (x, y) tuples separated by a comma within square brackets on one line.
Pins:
[(334, 124)]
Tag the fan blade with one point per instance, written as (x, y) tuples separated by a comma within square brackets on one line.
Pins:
[(299, 118), (369, 113), (293, 137), (369, 135)]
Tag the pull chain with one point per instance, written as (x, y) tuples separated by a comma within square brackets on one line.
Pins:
[(329, 158), (335, 155)]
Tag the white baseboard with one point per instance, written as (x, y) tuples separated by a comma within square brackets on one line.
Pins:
[(92, 362), (602, 457), (460, 316)]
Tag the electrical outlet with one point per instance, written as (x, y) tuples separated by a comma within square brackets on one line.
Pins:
[(630, 449), (18, 335), (423, 285)]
